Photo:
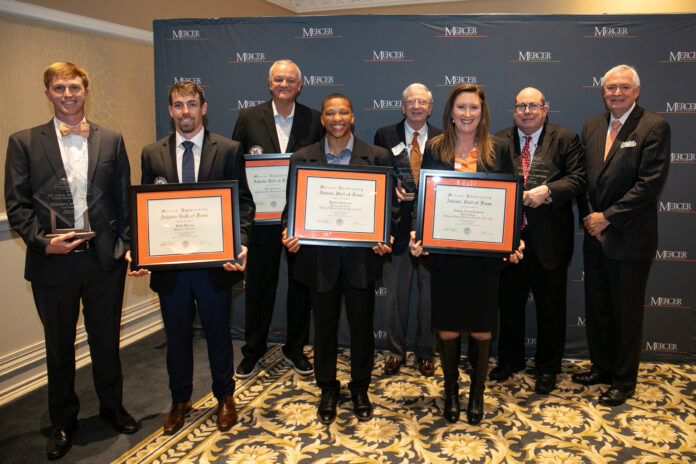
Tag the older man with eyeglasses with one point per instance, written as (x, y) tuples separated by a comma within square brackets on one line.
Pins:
[(550, 158)]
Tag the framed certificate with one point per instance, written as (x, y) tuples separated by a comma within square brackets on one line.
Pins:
[(469, 213), (337, 205), (184, 226), (267, 177)]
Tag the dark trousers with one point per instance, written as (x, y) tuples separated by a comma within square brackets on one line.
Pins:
[(614, 305), (101, 293), (398, 273), (263, 263), (194, 289), (549, 289), (360, 308)]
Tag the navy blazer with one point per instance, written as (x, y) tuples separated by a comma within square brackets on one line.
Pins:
[(626, 186), (389, 137), (33, 160), (221, 159), (319, 267), (550, 226)]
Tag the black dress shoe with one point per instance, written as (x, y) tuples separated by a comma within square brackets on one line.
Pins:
[(503, 372), (545, 383), (327, 406), (591, 378), (615, 396), (362, 408), (60, 441), (120, 419)]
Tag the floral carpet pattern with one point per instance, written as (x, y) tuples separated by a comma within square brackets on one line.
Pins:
[(278, 423)]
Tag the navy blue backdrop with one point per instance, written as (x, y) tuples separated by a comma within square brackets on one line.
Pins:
[(372, 58)]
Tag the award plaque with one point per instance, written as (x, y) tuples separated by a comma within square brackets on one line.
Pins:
[(267, 177), (184, 226), (339, 205), (540, 173), (56, 196), (469, 213)]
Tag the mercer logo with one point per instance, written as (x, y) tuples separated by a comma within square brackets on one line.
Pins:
[(251, 56), (388, 55), (319, 81), (682, 56), (186, 34), (317, 32), (660, 346), (386, 104), (683, 157), (671, 255), (529, 341), (608, 31), (381, 291), (460, 31), (679, 107), (665, 301), (195, 80), (535, 56), (674, 207), (380, 334), (241, 104), (458, 80)]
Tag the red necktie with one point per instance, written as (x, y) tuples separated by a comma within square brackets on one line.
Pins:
[(415, 157), (82, 129), (611, 137), (526, 164)]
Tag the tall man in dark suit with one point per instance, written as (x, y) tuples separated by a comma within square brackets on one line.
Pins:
[(550, 158), (627, 154), (335, 272), (281, 125), (406, 141), (192, 154), (65, 269)]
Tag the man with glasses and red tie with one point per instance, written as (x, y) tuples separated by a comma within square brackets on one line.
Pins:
[(406, 142), (550, 158), (627, 155)]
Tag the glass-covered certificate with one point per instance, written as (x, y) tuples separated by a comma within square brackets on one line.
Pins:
[(68, 204), (469, 213), (267, 178), (339, 205), (184, 226)]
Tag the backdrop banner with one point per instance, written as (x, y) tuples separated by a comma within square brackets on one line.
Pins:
[(371, 59)]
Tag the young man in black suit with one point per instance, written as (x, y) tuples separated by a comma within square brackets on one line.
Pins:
[(627, 156), (280, 125), (192, 154), (550, 159), (65, 269), (333, 272), (406, 142)]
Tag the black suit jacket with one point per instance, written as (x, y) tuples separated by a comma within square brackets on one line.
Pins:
[(389, 137), (550, 226), (33, 160), (221, 159), (256, 126), (627, 185), (319, 267)]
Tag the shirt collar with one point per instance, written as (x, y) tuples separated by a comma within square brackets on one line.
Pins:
[(349, 145), (57, 122), (196, 139), (535, 135), (623, 117), (277, 114)]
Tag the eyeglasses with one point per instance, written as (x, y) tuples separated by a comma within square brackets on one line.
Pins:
[(532, 107), (412, 101)]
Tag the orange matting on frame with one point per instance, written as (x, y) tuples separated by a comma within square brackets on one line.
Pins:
[(143, 232), (301, 205), (279, 162), (428, 220)]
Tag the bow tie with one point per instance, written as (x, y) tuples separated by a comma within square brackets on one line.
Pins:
[(82, 129)]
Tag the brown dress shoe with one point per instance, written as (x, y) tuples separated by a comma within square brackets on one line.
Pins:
[(391, 365), (227, 414), (426, 367), (175, 419)]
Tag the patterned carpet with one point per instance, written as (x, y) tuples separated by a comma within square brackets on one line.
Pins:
[(277, 422)]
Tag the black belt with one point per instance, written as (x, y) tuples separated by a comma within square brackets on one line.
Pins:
[(84, 246)]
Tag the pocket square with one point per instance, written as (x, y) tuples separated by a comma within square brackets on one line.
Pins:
[(628, 144)]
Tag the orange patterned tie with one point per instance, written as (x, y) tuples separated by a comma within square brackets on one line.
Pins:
[(415, 157), (611, 137), (82, 129)]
